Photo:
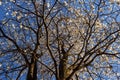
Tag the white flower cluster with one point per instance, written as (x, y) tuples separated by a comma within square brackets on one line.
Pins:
[(117, 1), (0, 2)]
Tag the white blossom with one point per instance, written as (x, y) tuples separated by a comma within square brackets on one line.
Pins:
[(12, 0), (21, 26), (19, 17), (13, 25), (0, 2), (14, 13), (65, 3), (0, 65), (7, 14), (48, 4)]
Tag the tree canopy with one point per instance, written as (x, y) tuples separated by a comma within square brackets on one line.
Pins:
[(60, 39)]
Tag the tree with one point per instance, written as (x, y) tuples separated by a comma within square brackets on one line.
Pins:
[(60, 39)]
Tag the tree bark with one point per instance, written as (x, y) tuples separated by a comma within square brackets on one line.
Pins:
[(63, 66), (32, 70), (62, 70)]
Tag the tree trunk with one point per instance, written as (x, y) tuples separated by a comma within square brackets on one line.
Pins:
[(62, 70), (63, 67), (32, 70)]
